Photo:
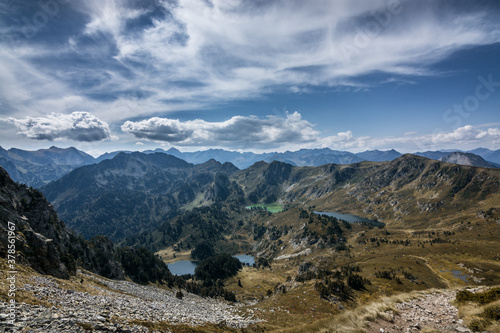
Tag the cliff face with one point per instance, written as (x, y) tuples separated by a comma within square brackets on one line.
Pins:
[(43, 242), (41, 238)]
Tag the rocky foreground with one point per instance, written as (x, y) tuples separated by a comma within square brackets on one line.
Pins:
[(433, 311), (119, 306)]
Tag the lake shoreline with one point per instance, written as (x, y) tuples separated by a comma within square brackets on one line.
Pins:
[(351, 218), (183, 267)]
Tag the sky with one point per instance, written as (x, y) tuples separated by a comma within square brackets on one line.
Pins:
[(263, 75)]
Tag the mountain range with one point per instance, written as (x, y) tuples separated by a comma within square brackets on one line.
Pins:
[(137, 193), (131, 192), (434, 218), (38, 168)]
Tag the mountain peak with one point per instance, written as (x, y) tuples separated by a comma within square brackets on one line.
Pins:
[(462, 158), (172, 151)]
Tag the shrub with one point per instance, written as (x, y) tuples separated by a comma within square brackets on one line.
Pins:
[(478, 325), (221, 267), (484, 297), (464, 296), (492, 312)]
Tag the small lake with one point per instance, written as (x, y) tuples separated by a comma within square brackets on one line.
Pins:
[(351, 218), (183, 267), (460, 275), (245, 259)]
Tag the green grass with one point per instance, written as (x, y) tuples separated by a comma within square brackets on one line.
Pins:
[(273, 207)]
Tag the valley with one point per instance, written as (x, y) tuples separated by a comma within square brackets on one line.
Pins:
[(229, 166), (428, 226)]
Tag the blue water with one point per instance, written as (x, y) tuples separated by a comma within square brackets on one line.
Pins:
[(460, 275), (351, 218), (245, 259), (184, 267)]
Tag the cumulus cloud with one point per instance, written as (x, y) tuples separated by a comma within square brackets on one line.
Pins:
[(343, 140), (464, 138), (77, 126), (236, 132), (467, 133)]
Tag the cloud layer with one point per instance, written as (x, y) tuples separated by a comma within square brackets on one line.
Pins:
[(77, 126), (146, 57), (133, 63), (237, 132), (293, 132), (466, 136)]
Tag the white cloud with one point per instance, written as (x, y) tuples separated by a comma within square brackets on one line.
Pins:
[(461, 138), (199, 55), (77, 126), (236, 132), (203, 53), (467, 133)]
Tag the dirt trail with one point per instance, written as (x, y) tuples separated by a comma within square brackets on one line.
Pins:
[(430, 311)]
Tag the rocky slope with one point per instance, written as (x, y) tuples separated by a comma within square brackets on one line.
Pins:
[(42, 241), (466, 159), (115, 306), (432, 312)]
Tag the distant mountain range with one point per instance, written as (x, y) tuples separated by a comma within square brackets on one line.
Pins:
[(37, 168), (468, 159)]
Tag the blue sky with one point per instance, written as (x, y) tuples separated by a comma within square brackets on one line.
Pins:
[(353, 75)]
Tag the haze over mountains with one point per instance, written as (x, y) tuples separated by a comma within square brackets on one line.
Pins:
[(38, 168)]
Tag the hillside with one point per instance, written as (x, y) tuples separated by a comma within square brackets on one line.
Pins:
[(43, 242), (409, 188), (133, 192), (110, 197)]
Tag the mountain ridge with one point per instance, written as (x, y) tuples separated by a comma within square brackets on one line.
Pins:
[(110, 197), (132, 190), (38, 168)]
